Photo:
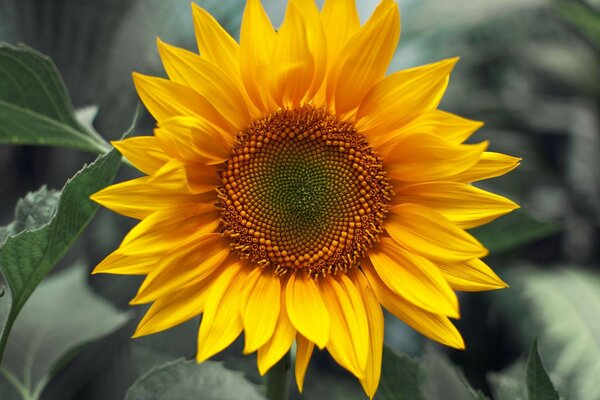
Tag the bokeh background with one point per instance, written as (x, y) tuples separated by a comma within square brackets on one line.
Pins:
[(529, 68)]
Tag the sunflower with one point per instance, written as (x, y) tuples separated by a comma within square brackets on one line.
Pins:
[(293, 189)]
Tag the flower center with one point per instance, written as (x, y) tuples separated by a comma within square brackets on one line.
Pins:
[(303, 190)]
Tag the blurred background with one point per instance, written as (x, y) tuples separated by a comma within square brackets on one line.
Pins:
[(529, 68)]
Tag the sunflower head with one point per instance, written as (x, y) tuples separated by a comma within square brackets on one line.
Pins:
[(292, 189)]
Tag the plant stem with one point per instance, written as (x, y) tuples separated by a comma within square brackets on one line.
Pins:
[(277, 379)]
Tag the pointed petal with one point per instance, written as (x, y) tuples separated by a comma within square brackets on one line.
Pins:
[(162, 229), (280, 342), (448, 127), (414, 278), (256, 43), (194, 140), (303, 353), (208, 80), (165, 99), (434, 326), (349, 324), (306, 308), (189, 263), (260, 307), (364, 59), (471, 276), (375, 317), (144, 152), (214, 43), (221, 323), (429, 234), (490, 165), (292, 63), (176, 308), (402, 96), (421, 157), (123, 264), (462, 204)]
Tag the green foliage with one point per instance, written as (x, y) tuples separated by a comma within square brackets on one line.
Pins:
[(401, 378), (565, 305), (509, 384), (185, 379), (27, 257), (539, 386), (61, 315), (513, 231), (34, 104)]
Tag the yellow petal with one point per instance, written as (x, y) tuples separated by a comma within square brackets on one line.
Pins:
[(364, 59), (414, 278), (165, 99), (260, 307), (195, 141), (214, 43), (174, 309), (375, 317), (144, 152), (123, 264), (280, 342), (306, 308), (490, 165), (448, 127), (434, 326), (189, 263), (159, 231), (401, 97), (429, 234), (471, 276), (422, 157), (221, 323), (138, 198), (463, 204), (292, 64), (349, 325), (208, 80), (304, 351), (256, 42)]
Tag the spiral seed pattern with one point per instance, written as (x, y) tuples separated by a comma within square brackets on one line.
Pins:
[(303, 190)]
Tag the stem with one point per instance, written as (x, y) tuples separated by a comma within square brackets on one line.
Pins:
[(277, 379)]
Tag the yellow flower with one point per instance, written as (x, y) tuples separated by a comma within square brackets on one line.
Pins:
[(293, 189)]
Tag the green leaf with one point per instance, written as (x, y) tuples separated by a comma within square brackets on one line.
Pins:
[(401, 377), (34, 105), (539, 386), (62, 315), (565, 305), (185, 379), (446, 381), (514, 231), (26, 258)]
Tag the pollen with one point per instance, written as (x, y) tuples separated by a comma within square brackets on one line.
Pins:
[(303, 190)]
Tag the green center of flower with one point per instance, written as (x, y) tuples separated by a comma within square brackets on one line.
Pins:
[(303, 190)]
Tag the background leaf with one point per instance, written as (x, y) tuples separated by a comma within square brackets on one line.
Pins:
[(401, 377), (183, 379), (539, 386), (566, 305), (25, 259), (509, 384), (34, 105), (47, 332)]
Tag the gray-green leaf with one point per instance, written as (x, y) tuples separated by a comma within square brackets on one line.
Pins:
[(26, 258), (34, 105), (401, 377), (539, 386), (46, 332), (182, 380), (566, 305)]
